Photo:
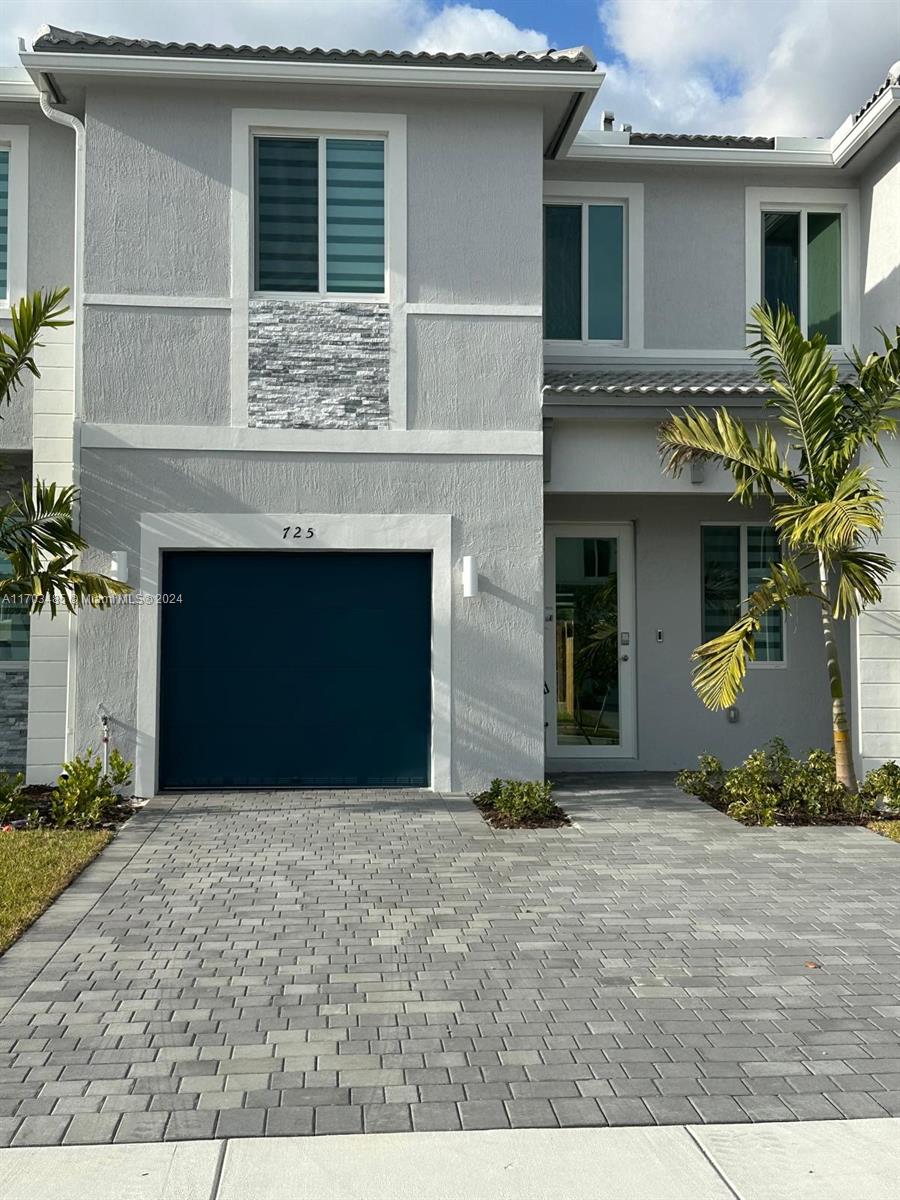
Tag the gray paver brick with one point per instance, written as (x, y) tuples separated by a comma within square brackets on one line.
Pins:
[(331, 997)]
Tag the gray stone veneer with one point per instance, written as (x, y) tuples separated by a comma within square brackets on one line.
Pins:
[(318, 365), (13, 718)]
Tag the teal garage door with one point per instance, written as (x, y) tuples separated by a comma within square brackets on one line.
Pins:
[(295, 669)]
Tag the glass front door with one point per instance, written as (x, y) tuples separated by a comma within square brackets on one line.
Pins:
[(590, 641)]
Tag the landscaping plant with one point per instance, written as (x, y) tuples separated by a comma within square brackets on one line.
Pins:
[(826, 507), (83, 797), (37, 531), (771, 787), (521, 802)]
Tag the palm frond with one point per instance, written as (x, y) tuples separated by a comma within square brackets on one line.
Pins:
[(38, 537), (803, 377), (853, 511), (721, 667), (30, 316), (753, 460), (860, 575)]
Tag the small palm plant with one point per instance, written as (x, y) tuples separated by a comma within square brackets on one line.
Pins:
[(37, 532), (826, 507)]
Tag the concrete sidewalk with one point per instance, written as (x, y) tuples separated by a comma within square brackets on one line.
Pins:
[(813, 1160)]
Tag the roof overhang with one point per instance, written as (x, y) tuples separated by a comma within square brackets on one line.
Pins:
[(565, 95), (854, 135), (18, 87), (616, 147)]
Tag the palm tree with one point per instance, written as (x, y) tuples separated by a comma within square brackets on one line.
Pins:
[(825, 505), (37, 531)]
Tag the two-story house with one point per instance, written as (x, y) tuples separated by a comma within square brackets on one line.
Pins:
[(361, 395)]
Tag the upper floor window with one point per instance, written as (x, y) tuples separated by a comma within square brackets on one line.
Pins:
[(736, 559), (584, 271), (13, 215), (320, 215), (803, 251), (802, 268)]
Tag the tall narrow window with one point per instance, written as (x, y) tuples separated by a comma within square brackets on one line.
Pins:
[(355, 215), (320, 215), (15, 623), (801, 264), (584, 272), (4, 224), (287, 214), (736, 559), (562, 271)]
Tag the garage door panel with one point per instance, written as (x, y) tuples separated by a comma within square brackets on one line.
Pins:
[(330, 685)]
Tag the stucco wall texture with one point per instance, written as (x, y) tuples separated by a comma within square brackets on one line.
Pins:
[(497, 637), (673, 726)]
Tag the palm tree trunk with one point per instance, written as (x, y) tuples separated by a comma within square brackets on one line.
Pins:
[(840, 722)]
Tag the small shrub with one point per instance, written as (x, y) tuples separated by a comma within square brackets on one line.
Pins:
[(882, 786), (770, 787), (519, 800), (706, 782), (9, 802), (83, 796)]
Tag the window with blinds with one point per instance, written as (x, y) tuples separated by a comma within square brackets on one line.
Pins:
[(320, 216), (15, 623), (584, 272), (4, 223), (736, 559)]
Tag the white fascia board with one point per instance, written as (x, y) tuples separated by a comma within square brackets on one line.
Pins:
[(847, 142), (17, 86), (144, 67), (698, 154)]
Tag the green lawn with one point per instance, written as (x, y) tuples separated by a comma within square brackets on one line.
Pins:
[(35, 866), (888, 829)]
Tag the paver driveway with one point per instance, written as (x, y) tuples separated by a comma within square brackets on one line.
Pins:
[(338, 962)]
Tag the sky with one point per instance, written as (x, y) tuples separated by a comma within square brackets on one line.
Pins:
[(793, 67)]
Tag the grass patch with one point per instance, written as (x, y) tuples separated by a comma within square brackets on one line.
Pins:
[(35, 866), (888, 829)]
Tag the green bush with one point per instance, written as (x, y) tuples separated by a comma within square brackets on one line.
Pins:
[(882, 786), (520, 800), (9, 802), (83, 796), (771, 786), (706, 782)]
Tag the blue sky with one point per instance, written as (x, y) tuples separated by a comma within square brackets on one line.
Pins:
[(723, 66)]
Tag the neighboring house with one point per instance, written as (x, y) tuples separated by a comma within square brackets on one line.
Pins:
[(358, 335)]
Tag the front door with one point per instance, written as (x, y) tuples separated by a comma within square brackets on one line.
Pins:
[(590, 641)]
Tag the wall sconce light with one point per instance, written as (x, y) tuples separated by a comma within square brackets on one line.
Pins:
[(118, 565), (696, 472), (470, 575)]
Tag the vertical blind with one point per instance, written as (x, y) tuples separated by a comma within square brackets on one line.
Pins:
[(564, 262), (4, 219), (762, 550), (289, 257)]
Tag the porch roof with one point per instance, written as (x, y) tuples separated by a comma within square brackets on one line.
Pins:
[(659, 380)]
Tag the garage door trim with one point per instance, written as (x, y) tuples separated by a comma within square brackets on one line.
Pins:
[(265, 531)]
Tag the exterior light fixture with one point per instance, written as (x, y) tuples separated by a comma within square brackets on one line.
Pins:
[(118, 565), (470, 575)]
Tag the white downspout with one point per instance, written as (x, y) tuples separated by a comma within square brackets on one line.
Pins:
[(77, 307)]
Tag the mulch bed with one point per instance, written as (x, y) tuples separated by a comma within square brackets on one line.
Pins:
[(784, 820), (501, 821), (36, 798)]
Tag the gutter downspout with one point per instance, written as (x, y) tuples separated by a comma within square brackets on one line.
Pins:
[(77, 306)]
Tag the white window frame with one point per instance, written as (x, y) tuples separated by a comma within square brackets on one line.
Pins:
[(14, 138), (630, 197), (249, 124), (744, 589), (803, 201)]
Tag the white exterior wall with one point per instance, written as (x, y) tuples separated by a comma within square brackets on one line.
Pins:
[(877, 661)]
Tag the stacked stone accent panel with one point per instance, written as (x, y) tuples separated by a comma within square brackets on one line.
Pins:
[(13, 718), (318, 365)]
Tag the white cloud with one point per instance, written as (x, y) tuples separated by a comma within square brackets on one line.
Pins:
[(745, 66), (345, 24)]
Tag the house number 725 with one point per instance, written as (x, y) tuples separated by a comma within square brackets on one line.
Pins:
[(297, 531)]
